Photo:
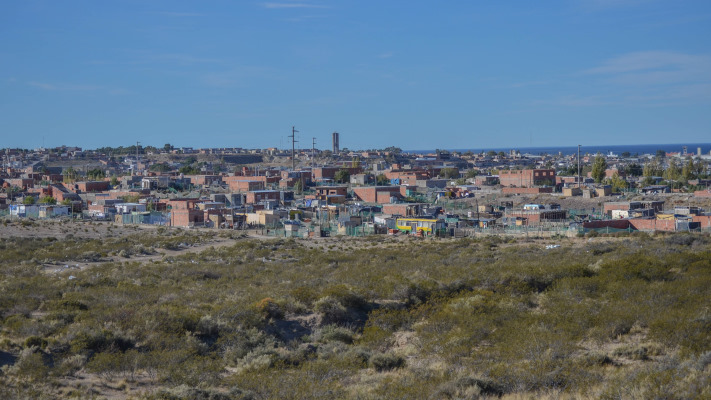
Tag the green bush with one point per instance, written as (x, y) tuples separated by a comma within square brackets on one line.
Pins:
[(386, 361), (35, 341), (331, 333), (331, 310)]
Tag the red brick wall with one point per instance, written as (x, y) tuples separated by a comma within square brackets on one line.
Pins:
[(246, 185), (255, 197), (608, 207), (337, 190), (93, 186), (366, 194), (376, 194), (526, 177), (524, 190), (184, 217), (382, 196), (205, 179), (705, 220), (653, 224)]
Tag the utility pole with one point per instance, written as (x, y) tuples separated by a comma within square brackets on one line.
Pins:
[(578, 166), (293, 148)]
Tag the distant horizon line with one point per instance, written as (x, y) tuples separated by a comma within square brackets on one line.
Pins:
[(611, 147), (482, 148)]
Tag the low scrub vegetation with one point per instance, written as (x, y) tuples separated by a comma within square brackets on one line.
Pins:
[(613, 318)]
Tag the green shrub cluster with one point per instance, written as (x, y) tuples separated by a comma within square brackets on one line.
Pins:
[(612, 318)]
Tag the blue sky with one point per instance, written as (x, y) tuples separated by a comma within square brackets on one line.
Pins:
[(414, 74)]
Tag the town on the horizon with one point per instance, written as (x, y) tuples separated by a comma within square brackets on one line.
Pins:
[(310, 192)]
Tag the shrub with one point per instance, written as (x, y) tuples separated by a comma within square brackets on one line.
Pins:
[(30, 366), (415, 294), (333, 333), (386, 361), (71, 365), (270, 308), (35, 341), (469, 387), (346, 296), (331, 310)]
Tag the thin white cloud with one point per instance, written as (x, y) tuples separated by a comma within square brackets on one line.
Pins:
[(388, 54), (145, 57), (654, 69), (304, 18), (291, 5), (576, 101), (643, 78), (602, 5), (239, 76), (526, 84), (180, 14), (63, 87), (653, 61)]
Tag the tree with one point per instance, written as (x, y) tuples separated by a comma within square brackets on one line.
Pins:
[(342, 176), (688, 172), (634, 169), (672, 172), (298, 186), (70, 175), (167, 147), (625, 154), (159, 167), (382, 180), (472, 173), (618, 183), (599, 167), (28, 200), (95, 174), (48, 200), (114, 181), (449, 173), (699, 168), (661, 153), (653, 168)]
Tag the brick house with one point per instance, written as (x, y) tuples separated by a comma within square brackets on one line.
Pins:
[(378, 194), (205, 180), (185, 213), (91, 186), (328, 173), (257, 196), (246, 185), (527, 177), (323, 191), (537, 216)]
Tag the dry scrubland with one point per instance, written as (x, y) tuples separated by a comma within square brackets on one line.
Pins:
[(162, 314)]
